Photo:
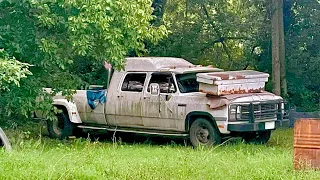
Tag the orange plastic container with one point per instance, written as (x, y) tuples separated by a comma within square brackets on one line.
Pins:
[(307, 144)]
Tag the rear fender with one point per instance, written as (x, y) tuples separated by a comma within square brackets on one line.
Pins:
[(71, 109)]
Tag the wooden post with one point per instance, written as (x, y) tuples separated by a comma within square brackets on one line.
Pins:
[(275, 47), (282, 57)]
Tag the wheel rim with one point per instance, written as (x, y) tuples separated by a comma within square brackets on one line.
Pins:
[(202, 134)]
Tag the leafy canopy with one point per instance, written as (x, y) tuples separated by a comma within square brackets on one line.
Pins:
[(54, 35)]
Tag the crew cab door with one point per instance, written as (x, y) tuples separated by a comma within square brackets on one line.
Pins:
[(95, 106), (161, 111), (128, 110), (89, 105)]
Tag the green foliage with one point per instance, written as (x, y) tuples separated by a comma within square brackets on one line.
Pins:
[(66, 42), (244, 27), (303, 54), (102, 30), (199, 38), (11, 70), (55, 36)]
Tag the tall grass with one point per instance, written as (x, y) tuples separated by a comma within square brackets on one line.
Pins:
[(44, 158)]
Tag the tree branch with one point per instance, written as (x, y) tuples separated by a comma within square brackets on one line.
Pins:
[(223, 39), (219, 34)]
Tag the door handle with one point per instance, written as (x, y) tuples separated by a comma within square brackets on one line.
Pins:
[(119, 96), (146, 97)]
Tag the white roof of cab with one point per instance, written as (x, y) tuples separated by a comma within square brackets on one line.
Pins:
[(177, 65)]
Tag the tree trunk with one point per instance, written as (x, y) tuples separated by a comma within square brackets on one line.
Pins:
[(275, 47), (158, 11), (284, 91)]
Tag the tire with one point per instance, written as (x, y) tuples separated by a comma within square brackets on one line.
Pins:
[(260, 137), (203, 133), (62, 128)]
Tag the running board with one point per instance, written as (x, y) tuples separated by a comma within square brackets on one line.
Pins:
[(133, 131), (92, 127)]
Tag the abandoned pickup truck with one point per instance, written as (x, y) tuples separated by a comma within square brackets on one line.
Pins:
[(172, 97)]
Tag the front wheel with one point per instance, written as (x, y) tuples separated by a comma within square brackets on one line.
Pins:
[(260, 137), (203, 133), (61, 128)]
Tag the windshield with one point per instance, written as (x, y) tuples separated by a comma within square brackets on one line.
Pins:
[(187, 83)]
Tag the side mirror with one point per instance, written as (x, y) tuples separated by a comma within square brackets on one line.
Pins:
[(154, 89), (172, 89)]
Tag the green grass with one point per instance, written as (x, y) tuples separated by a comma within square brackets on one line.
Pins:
[(36, 157)]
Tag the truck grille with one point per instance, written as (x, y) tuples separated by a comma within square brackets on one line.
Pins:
[(260, 111)]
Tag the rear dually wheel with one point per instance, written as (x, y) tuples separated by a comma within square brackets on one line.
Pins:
[(62, 127)]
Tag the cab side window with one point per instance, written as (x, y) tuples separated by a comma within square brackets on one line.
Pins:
[(134, 82), (165, 81)]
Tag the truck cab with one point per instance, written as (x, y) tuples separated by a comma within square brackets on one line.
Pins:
[(163, 96)]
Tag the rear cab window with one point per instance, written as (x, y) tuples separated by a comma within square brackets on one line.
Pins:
[(133, 82)]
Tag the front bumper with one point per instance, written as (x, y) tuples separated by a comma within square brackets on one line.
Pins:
[(257, 126), (253, 115)]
